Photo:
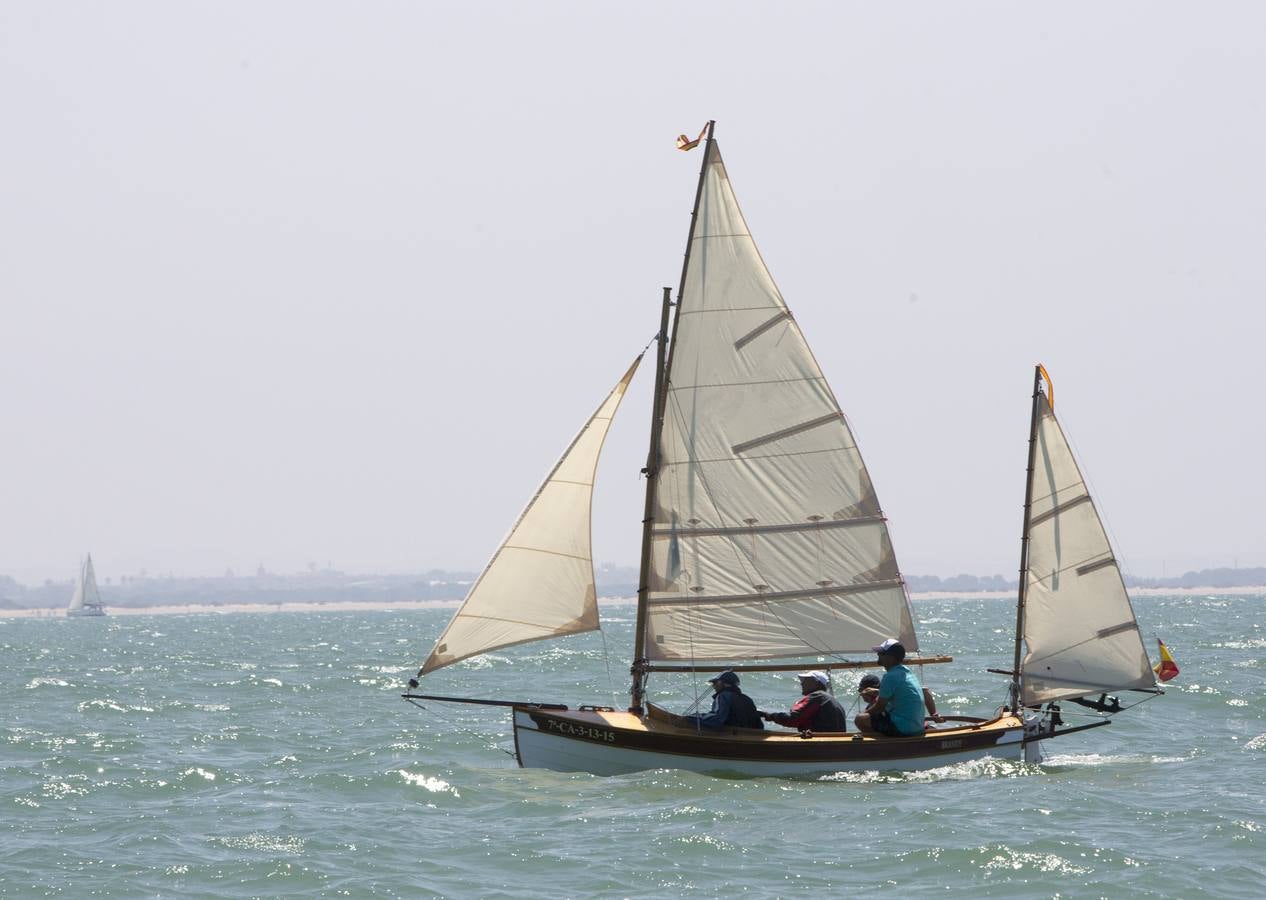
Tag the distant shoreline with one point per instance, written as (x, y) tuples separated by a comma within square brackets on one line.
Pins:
[(388, 605)]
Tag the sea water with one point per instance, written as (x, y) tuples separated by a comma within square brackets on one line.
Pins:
[(269, 755)]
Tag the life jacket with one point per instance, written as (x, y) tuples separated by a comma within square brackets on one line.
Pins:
[(830, 715), (743, 712)]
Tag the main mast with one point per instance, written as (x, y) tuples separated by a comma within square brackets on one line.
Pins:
[(662, 368), (1024, 543)]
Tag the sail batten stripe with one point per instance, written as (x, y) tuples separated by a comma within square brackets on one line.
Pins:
[(1096, 566), (788, 432), (684, 531), (766, 596), (1117, 629), (1056, 510), (760, 329)]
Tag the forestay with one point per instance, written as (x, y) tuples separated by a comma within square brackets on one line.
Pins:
[(539, 584), (768, 539), (1079, 628)]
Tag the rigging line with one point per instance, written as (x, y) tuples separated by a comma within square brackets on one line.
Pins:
[(606, 659), (1064, 711), (746, 384), (481, 738)]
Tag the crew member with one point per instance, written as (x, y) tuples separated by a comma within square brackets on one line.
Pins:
[(731, 708), (898, 708), (816, 710)]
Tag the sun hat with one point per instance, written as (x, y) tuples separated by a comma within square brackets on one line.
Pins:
[(817, 675)]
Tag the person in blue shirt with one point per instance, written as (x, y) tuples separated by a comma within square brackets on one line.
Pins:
[(731, 708), (899, 708)]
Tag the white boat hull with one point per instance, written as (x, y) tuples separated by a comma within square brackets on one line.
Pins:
[(596, 743)]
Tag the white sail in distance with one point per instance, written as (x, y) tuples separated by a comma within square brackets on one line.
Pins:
[(539, 584), (86, 593), (1080, 633), (768, 539)]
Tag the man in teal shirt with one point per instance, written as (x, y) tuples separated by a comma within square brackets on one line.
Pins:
[(899, 709)]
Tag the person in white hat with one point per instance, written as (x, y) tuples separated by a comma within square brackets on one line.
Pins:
[(816, 710)]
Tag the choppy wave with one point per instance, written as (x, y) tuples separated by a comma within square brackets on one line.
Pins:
[(428, 783), (985, 768), (227, 755)]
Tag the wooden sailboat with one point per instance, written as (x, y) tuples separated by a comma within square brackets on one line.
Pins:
[(86, 601), (763, 541)]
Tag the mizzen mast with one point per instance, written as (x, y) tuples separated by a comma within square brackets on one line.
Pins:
[(1038, 374)]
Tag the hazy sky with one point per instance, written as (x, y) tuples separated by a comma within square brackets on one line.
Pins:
[(293, 282)]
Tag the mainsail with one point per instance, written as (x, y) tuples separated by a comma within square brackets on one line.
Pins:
[(86, 596), (539, 584), (767, 539), (1079, 628)]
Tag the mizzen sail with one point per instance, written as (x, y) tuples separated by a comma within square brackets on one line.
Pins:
[(539, 584), (1079, 630), (768, 539)]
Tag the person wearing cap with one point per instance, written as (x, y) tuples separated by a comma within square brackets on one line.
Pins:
[(816, 710), (731, 708), (868, 688), (899, 705)]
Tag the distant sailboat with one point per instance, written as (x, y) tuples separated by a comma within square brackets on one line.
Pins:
[(763, 541), (86, 600)]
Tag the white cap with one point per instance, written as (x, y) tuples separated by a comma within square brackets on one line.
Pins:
[(817, 675), (888, 645)]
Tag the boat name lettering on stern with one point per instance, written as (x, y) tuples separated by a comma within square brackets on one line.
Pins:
[(950, 745), (581, 731)]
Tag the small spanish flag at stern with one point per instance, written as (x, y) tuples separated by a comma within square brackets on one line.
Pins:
[(1166, 668)]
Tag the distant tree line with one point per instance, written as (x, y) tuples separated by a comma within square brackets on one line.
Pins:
[(1217, 578)]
